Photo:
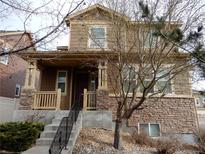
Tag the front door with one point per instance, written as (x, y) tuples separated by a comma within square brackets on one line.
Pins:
[(80, 83)]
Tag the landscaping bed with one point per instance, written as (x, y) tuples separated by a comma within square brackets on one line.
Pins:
[(18, 136), (99, 141)]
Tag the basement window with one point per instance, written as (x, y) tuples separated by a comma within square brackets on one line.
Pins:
[(152, 130)]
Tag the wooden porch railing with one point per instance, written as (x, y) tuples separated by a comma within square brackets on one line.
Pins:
[(47, 99), (89, 100)]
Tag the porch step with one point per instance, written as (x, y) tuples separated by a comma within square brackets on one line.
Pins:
[(48, 141), (44, 141), (46, 137), (51, 134), (57, 121)]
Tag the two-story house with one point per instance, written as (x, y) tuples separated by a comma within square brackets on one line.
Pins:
[(12, 67), (79, 74)]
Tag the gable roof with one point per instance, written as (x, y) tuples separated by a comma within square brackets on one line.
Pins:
[(16, 39), (93, 7)]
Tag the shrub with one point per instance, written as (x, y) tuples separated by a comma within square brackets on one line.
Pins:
[(201, 142), (143, 139), (168, 146), (19, 136)]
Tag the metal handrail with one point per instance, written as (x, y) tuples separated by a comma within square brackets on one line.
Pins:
[(63, 133)]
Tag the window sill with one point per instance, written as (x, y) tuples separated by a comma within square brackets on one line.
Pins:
[(4, 63)]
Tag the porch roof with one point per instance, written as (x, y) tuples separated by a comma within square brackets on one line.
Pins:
[(64, 54), (64, 57)]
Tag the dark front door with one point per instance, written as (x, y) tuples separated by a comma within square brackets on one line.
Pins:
[(80, 83)]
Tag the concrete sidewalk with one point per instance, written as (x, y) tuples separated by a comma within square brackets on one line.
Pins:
[(37, 150)]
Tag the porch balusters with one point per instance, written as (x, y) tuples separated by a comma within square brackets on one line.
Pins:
[(89, 100), (47, 100)]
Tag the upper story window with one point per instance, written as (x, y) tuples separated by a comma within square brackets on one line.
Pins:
[(148, 40), (5, 58), (97, 37), (130, 76), (62, 81), (163, 84)]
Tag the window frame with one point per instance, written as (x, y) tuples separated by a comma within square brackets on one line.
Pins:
[(66, 78), (5, 58), (127, 78), (135, 66), (142, 39), (165, 80), (149, 128), (90, 39), (19, 92)]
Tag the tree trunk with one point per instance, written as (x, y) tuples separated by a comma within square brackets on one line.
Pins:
[(117, 139), (118, 125)]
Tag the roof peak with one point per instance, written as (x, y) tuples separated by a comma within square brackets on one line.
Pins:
[(97, 5)]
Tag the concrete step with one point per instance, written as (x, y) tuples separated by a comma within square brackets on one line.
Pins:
[(48, 141), (51, 134), (48, 134), (54, 127), (57, 121), (60, 115), (44, 141)]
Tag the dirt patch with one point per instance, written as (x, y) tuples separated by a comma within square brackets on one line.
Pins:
[(100, 141)]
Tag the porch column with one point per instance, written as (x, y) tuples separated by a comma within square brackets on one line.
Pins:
[(102, 75), (30, 77), (27, 92)]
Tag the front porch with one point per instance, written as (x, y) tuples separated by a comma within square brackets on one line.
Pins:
[(58, 85)]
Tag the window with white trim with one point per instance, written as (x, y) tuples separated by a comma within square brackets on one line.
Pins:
[(148, 39), (5, 58), (62, 81), (151, 129), (17, 90), (97, 37), (163, 85)]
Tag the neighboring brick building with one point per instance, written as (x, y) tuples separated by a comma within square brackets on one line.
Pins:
[(12, 67), (81, 73)]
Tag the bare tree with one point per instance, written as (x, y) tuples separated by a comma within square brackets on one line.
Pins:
[(52, 11), (151, 45)]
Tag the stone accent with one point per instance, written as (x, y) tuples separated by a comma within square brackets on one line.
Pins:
[(102, 97), (175, 115), (26, 99)]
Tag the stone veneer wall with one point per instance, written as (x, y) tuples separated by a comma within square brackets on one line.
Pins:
[(175, 115), (26, 99)]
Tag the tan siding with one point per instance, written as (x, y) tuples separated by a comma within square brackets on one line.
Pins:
[(79, 41), (182, 85), (79, 37)]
